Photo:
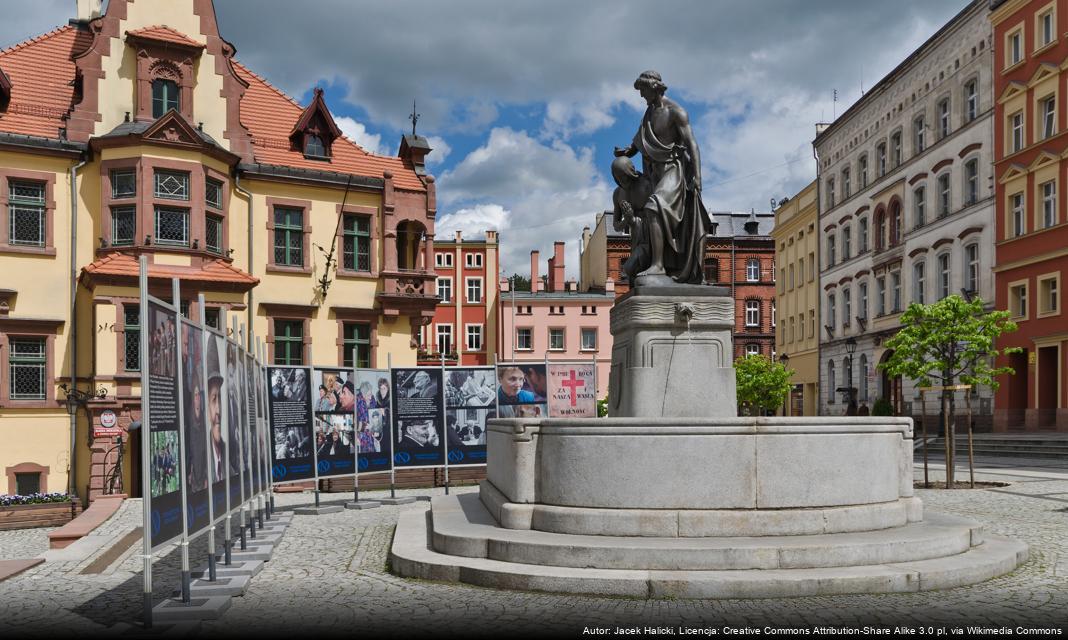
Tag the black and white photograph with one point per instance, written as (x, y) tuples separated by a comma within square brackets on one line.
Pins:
[(419, 434), (418, 419), (470, 387), (291, 418), (194, 429), (291, 443), (467, 427), (165, 464), (470, 400), (418, 383), (217, 433), (235, 410), (289, 385)]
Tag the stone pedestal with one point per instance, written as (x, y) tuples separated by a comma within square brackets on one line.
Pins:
[(671, 353)]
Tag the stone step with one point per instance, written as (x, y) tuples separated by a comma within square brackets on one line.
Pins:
[(411, 556), (462, 526)]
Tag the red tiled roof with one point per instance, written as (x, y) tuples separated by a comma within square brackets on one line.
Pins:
[(270, 116), (41, 72), (163, 33), (125, 264)]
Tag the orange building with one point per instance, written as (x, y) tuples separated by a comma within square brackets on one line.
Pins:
[(1031, 174)]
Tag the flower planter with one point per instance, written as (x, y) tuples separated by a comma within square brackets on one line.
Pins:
[(49, 514)]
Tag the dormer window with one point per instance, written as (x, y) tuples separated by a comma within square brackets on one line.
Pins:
[(164, 96), (313, 146), (315, 130)]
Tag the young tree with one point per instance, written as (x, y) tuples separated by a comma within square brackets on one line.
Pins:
[(762, 384), (952, 339), (521, 283)]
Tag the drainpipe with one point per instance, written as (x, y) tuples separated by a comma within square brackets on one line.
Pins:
[(249, 311), (72, 464)]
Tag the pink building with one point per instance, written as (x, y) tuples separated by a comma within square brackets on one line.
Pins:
[(556, 321)]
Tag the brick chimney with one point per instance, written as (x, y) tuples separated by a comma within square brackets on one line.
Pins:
[(535, 281), (413, 150), (556, 268)]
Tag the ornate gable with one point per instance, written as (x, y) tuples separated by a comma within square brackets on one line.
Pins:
[(315, 121), (174, 129)]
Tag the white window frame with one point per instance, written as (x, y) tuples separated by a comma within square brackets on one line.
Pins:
[(1049, 286), (583, 332), (847, 306), (752, 270), (752, 313), (919, 206), (971, 181), (944, 109), (563, 338), (443, 259), (971, 99), (1048, 110), (895, 291), (1018, 299), (752, 349), (467, 290), (919, 281), (473, 260), (520, 333), (945, 194), (863, 235), (945, 275), (1017, 214), (863, 302), (832, 311), (919, 139), (1016, 129), (880, 298), (971, 267), (1049, 203), (468, 334), (438, 334), (846, 243), (448, 282)]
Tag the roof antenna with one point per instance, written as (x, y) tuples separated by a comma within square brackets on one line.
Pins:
[(414, 117)]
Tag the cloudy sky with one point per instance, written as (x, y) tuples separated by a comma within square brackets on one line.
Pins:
[(524, 101)]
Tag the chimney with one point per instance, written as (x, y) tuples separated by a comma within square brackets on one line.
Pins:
[(504, 285), (459, 236), (585, 239), (556, 268), (535, 282), (88, 10), (413, 151)]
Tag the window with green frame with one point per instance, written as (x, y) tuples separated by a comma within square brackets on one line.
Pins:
[(288, 342), (131, 331), (164, 97), (358, 337), (356, 246), (27, 361), (289, 237)]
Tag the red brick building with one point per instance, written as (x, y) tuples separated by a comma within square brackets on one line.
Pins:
[(464, 327), (1031, 175), (740, 254)]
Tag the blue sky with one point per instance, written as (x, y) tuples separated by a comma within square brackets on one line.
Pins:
[(524, 101)]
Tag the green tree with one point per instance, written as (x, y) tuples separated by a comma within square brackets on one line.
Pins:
[(946, 341), (762, 384), (521, 283)]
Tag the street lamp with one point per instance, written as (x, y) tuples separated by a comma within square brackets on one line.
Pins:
[(784, 360), (851, 348)]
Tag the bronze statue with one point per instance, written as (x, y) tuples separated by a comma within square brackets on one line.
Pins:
[(661, 207)]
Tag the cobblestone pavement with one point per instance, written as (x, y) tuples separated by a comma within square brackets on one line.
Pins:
[(24, 543), (328, 576)]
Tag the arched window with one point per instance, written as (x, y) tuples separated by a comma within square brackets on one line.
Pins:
[(164, 96)]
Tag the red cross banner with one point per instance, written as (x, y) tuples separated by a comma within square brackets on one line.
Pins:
[(572, 391)]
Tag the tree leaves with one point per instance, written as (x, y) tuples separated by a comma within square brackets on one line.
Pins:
[(762, 384)]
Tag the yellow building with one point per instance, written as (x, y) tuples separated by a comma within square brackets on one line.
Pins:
[(137, 132), (797, 296)]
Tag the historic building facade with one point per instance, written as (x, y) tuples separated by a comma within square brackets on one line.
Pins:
[(1030, 146), (906, 210), (798, 296), (464, 328), (138, 133)]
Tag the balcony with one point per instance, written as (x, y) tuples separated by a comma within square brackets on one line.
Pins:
[(408, 293)]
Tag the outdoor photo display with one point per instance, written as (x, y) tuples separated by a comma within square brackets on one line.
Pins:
[(522, 391), (417, 418), (253, 424), (262, 426), (164, 464), (289, 409), (194, 427), (373, 433), (335, 435), (216, 414), (470, 400), (572, 390), (234, 425)]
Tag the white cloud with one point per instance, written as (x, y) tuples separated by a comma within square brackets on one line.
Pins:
[(472, 221), (358, 133), (439, 150)]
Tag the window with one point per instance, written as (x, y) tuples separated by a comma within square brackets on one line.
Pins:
[(918, 282), (1015, 48), (846, 187), (1016, 126), (832, 312), (172, 185), (27, 483), (830, 193), (880, 159), (1018, 299), (213, 233), (131, 336), (846, 242), (172, 226), (1046, 28), (919, 125), (288, 342), (27, 362), (213, 193), (474, 337), (474, 290), (26, 213), (895, 290), (473, 260), (445, 290), (919, 201), (895, 149), (943, 276), (847, 306), (943, 195), (314, 147), (895, 224), (1049, 204), (211, 317), (773, 313), (831, 259), (862, 304), (971, 182), (831, 383), (1048, 303), (589, 339), (442, 259), (862, 171), (522, 339), (556, 339), (880, 231), (863, 377), (752, 350), (1017, 214), (943, 118), (123, 184), (356, 243), (711, 270), (812, 323), (971, 268), (444, 338), (752, 270), (357, 336), (862, 235), (1048, 110), (791, 276), (123, 225), (752, 313), (288, 237), (971, 100), (880, 296), (164, 96)]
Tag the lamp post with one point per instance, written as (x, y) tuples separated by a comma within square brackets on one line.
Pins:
[(851, 348), (784, 360)]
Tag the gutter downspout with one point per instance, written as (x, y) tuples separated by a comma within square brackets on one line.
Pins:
[(250, 311), (819, 280), (72, 464)]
